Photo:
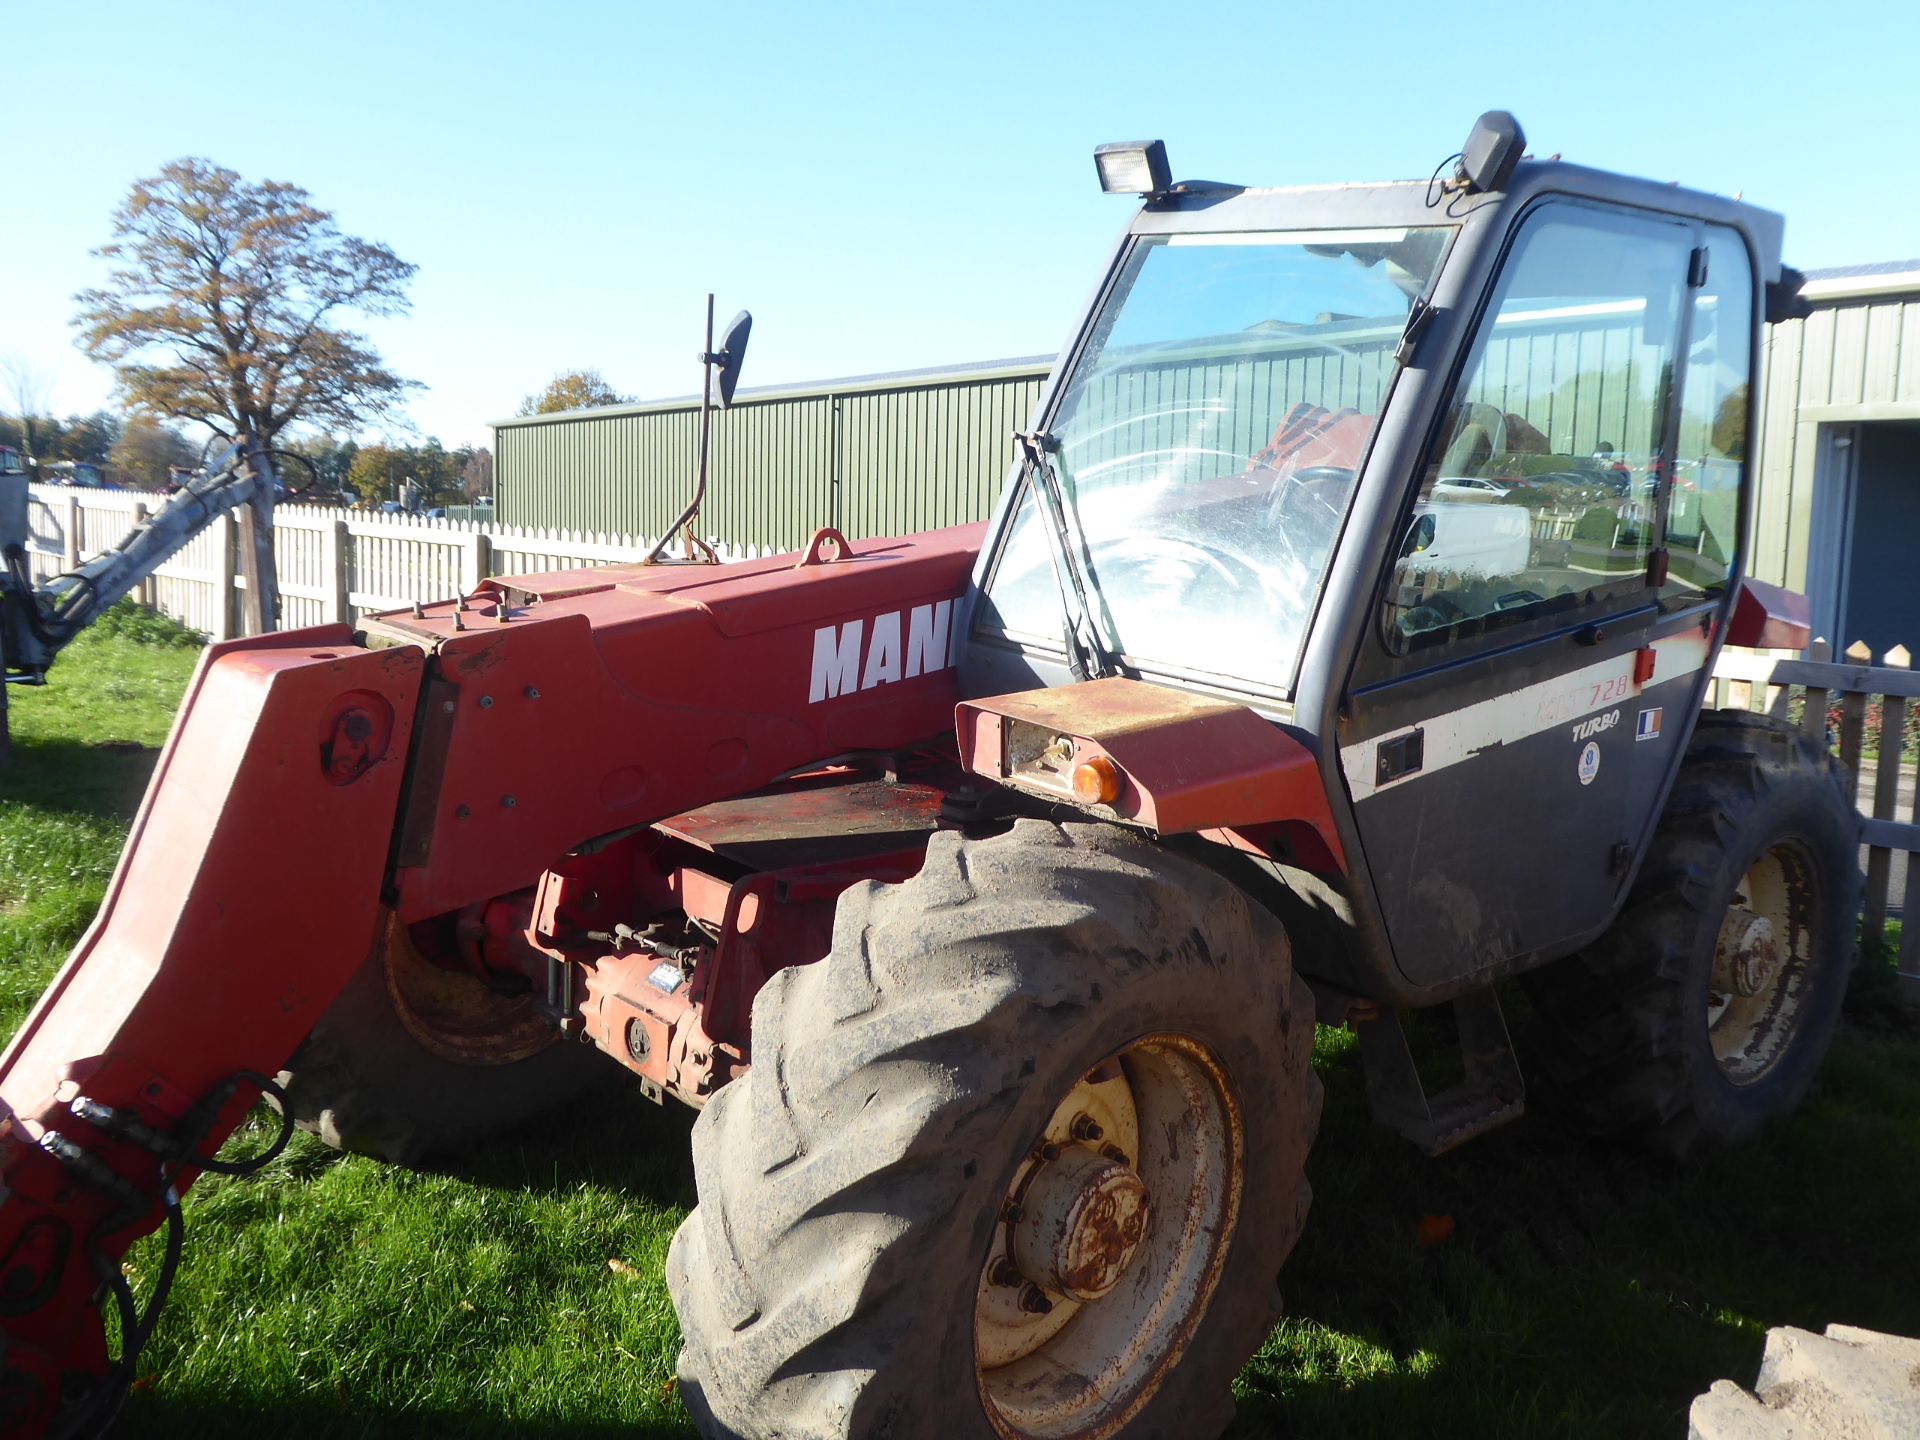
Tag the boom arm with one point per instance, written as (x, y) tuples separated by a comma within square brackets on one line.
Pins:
[(36, 623)]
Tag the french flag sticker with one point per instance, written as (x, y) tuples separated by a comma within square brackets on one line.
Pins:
[(1649, 726)]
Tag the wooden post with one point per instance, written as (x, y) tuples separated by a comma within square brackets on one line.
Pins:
[(1853, 722), (223, 584), (333, 571), (1907, 984), (1814, 720), (476, 562), (70, 550), (1886, 797)]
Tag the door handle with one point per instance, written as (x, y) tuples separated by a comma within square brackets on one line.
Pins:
[(1402, 755)]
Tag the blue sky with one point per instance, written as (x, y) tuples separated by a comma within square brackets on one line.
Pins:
[(883, 186)]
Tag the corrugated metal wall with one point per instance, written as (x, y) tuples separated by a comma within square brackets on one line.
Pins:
[(881, 456), (1242, 389), (1856, 354)]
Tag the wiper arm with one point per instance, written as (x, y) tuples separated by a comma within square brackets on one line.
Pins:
[(1087, 658)]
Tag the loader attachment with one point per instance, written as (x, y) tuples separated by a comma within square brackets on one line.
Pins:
[(247, 895)]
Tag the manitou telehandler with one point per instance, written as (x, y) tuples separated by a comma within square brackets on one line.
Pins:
[(984, 886)]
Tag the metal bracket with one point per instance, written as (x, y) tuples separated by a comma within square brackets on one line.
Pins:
[(1492, 1093), (827, 546)]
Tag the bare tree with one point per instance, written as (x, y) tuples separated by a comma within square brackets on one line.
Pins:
[(27, 388), (476, 475), (224, 303)]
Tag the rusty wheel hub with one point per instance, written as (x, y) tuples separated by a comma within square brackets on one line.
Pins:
[(1761, 966), (452, 1015), (1112, 1236), (1080, 1224), (1746, 959)]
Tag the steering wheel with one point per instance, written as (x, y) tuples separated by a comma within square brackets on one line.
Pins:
[(1144, 550)]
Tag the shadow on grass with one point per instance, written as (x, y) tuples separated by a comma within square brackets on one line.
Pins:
[(104, 781), (613, 1138), (1582, 1292), (324, 1419)]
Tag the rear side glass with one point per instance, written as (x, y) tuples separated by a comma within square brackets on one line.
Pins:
[(1538, 489), (1703, 511)]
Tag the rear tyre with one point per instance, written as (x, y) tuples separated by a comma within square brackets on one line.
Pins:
[(414, 1062), (1022, 1157), (1705, 1012)]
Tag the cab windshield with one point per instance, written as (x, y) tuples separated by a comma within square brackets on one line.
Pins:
[(1206, 446)]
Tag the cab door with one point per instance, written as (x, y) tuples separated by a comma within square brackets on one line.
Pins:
[(1511, 722)]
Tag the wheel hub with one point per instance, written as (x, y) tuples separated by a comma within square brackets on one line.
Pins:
[(1110, 1238), (1747, 958), (1081, 1223)]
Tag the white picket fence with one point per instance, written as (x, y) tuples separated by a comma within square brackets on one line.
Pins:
[(334, 564)]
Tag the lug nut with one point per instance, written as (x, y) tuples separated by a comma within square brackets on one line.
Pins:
[(1034, 1300), (1013, 1212), (1115, 1154), (1006, 1273), (1086, 1129), (1048, 1152)]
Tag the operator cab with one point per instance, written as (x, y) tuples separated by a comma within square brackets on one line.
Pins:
[(1447, 479)]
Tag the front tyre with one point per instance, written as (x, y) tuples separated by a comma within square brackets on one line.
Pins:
[(1021, 1158)]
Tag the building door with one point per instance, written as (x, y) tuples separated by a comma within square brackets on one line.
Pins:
[(1880, 605)]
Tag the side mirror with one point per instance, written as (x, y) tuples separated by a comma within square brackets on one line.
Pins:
[(733, 351)]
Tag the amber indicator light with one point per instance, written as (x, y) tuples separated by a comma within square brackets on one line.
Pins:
[(1096, 781)]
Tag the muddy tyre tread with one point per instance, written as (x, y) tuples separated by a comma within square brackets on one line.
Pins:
[(885, 1080)]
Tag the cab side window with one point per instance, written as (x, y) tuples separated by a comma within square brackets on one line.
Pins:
[(1538, 490), (1703, 506)]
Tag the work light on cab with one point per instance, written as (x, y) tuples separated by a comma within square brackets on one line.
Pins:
[(1138, 167)]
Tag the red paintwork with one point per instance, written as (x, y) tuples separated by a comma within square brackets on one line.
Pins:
[(1188, 763), (1766, 617), (1312, 435), (247, 895), (661, 690)]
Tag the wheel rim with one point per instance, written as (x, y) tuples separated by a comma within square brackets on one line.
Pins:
[(455, 1016), (1119, 1220), (1763, 968)]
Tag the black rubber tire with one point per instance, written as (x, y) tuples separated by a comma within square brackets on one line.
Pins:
[(850, 1182), (1619, 1039), (361, 1082)]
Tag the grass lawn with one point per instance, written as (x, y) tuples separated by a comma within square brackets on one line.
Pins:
[(1578, 1293)]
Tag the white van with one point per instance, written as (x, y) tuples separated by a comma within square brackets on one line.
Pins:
[(1471, 537)]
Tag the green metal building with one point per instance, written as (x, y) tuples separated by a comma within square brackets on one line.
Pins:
[(872, 455), (1839, 463)]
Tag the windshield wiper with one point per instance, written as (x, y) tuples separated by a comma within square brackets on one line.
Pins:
[(1087, 658)]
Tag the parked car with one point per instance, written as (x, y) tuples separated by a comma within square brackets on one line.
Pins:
[(1471, 487)]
